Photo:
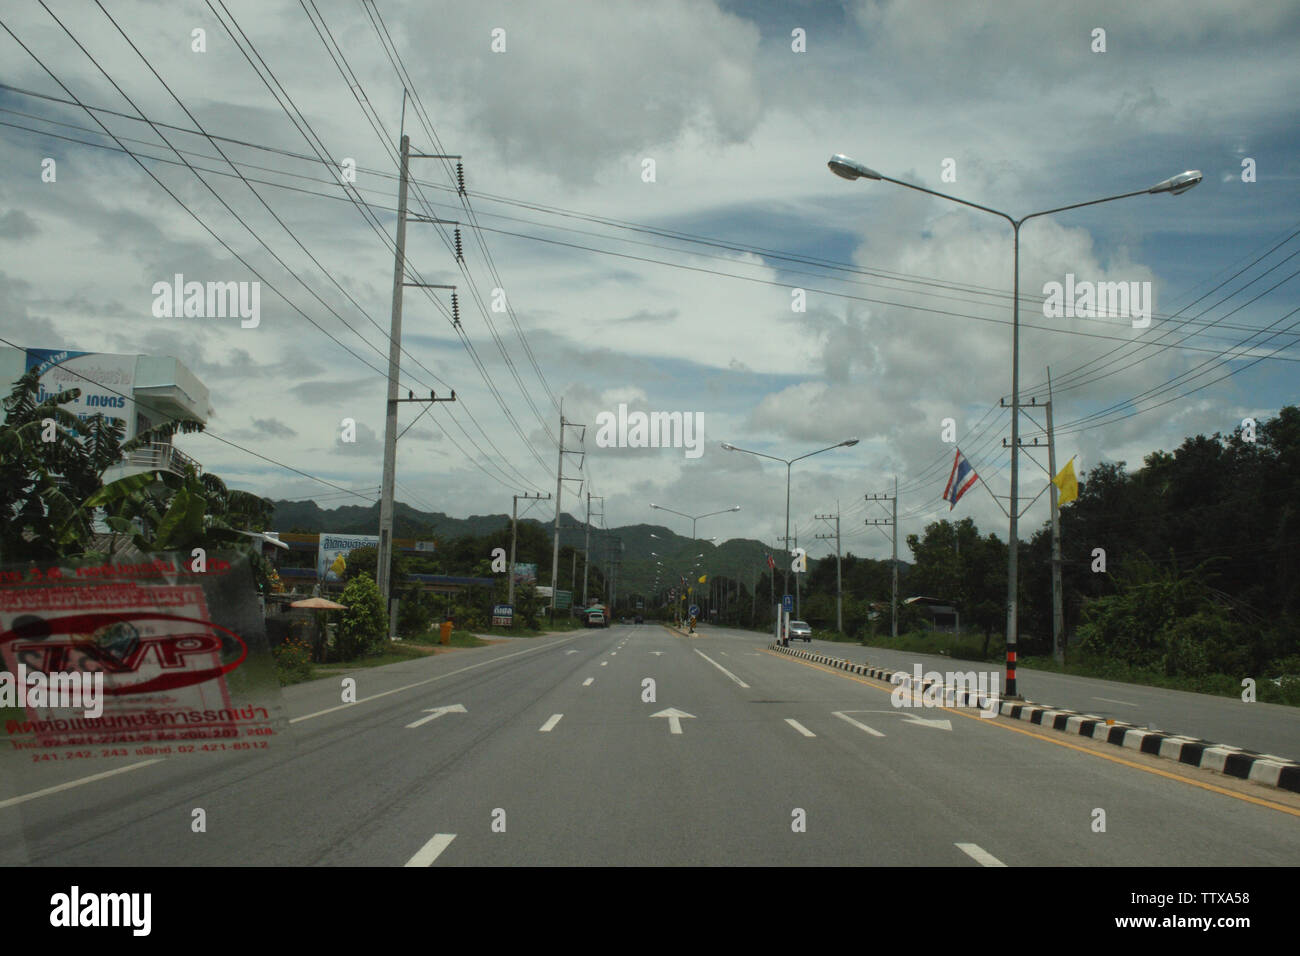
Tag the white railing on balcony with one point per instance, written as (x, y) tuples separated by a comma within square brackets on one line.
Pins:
[(161, 456)]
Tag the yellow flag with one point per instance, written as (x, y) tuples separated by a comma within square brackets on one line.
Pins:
[(339, 565), (703, 578), (1066, 484)]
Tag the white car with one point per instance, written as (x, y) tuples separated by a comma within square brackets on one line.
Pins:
[(800, 631)]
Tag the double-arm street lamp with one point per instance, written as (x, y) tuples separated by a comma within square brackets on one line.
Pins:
[(847, 168), (693, 518), (789, 463)]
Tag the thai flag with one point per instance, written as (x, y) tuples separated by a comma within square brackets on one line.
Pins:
[(771, 565), (960, 480)]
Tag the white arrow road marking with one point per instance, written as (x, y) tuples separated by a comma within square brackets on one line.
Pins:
[(674, 718), (845, 717), (721, 668), (908, 717), (926, 722), (431, 850), (430, 680), (547, 727), (587, 682), (436, 712), (981, 856), (799, 727)]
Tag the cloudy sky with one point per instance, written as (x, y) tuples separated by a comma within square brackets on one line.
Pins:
[(646, 189)]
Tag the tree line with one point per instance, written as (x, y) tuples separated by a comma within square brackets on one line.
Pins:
[(1187, 565)]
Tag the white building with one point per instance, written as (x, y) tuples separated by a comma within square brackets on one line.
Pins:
[(140, 390)]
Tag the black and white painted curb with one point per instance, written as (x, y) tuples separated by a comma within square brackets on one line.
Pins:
[(1232, 761)]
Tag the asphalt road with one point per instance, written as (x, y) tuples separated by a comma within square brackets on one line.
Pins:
[(558, 759), (1265, 728)]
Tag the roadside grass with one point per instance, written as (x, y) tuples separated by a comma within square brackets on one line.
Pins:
[(1218, 685), (970, 648), (459, 638), (395, 653)]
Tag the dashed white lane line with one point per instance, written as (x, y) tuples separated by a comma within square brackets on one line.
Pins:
[(604, 663), (857, 724), (721, 668), (1111, 701), (799, 727), (587, 682), (547, 727), (980, 856), (431, 850), (14, 801)]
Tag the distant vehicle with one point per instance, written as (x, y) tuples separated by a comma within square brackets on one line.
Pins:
[(640, 619), (595, 618), (800, 631)]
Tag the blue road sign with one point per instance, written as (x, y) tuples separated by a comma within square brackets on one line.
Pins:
[(787, 602), (695, 610)]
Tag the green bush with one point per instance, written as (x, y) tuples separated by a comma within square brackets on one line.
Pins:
[(293, 661), (363, 626), (415, 612)]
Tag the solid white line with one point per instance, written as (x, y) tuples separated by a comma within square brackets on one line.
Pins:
[(799, 727), (587, 682), (721, 668), (550, 724), (860, 726), (431, 850), (1110, 701), (395, 690), (14, 801), (980, 856)]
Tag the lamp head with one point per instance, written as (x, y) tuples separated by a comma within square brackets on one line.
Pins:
[(847, 168), (1177, 184)]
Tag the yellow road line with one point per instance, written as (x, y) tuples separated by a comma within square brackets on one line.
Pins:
[(1059, 743)]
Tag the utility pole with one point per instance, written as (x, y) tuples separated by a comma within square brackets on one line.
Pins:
[(1058, 612), (893, 522), (586, 547), (792, 545), (386, 503), (839, 596), (514, 537), (1018, 444), (559, 493)]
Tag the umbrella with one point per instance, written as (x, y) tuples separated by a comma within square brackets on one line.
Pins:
[(319, 604)]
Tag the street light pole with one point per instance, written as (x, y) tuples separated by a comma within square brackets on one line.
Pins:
[(694, 518), (789, 464), (847, 168)]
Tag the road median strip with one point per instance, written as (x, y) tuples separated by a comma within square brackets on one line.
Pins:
[(1267, 769)]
